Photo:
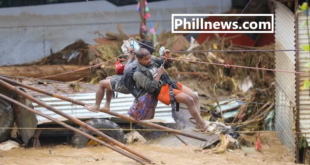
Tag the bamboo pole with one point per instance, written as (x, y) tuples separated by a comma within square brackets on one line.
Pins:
[(72, 128), (102, 110), (75, 120)]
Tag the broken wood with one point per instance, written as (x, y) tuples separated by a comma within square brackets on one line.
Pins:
[(112, 36), (217, 36), (94, 50), (46, 70), (122, 35), (192, 73), (180, 139), (232, 37), (215, 58), (37, 143), (75, 120), (257, 118)]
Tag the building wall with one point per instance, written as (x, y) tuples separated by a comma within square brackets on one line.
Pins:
[(304, 94), (29, 33), (285, 82)]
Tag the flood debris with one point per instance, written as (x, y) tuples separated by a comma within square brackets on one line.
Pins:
[(219, 138), (241, 87), (8, 145), (24, 119), (212, 139), (258, 146), (104, 137), (246, 84), (246, 114), (76, 53), (135, 137)]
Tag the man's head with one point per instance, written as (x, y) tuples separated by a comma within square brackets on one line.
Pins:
[(144, 57)]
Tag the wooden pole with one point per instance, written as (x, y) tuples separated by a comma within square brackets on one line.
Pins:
[(102, 109), (72, 129), (75, 120), (143, 20), (46, 71)]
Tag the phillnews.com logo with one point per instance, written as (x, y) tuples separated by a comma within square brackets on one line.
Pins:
[(222, 23)]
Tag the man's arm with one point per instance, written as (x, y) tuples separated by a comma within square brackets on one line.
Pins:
[(147, 84), (131, 60), (127, 66)]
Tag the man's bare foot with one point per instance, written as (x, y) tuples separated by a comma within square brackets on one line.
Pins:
[(203, 127), (93, 108), (107, 107)]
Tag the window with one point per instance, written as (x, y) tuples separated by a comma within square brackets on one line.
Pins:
[(128, 2), (19, 3)]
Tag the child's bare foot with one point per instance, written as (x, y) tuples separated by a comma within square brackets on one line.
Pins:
[(93, 108)]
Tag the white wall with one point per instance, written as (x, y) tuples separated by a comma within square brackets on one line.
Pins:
[(28, 33)]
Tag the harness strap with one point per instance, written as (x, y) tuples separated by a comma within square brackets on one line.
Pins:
[(171, 97), (166, 80)]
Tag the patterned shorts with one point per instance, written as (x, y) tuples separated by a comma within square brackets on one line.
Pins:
[(144, 108)]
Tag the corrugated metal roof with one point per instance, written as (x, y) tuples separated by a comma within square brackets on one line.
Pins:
[(285, 60), (87, 94), (304, 97), (119, 105)]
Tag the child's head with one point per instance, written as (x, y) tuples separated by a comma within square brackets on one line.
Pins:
[(147, 45)]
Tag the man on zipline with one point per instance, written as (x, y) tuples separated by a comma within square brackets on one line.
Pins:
[(113, 83), (148, 88), (150, 83)]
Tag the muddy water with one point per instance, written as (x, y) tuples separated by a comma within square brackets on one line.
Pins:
[(276, 154)]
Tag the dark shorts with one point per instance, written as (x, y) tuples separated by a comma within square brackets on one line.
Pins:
[(115, 84)]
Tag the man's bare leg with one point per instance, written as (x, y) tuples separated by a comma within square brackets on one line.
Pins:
[(103, 84), (109, 94), (191, 93), (189, 101)]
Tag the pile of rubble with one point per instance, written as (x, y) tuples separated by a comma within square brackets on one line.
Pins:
[(194, 59)]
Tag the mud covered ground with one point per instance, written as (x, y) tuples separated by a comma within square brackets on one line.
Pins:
[(161, 150)]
